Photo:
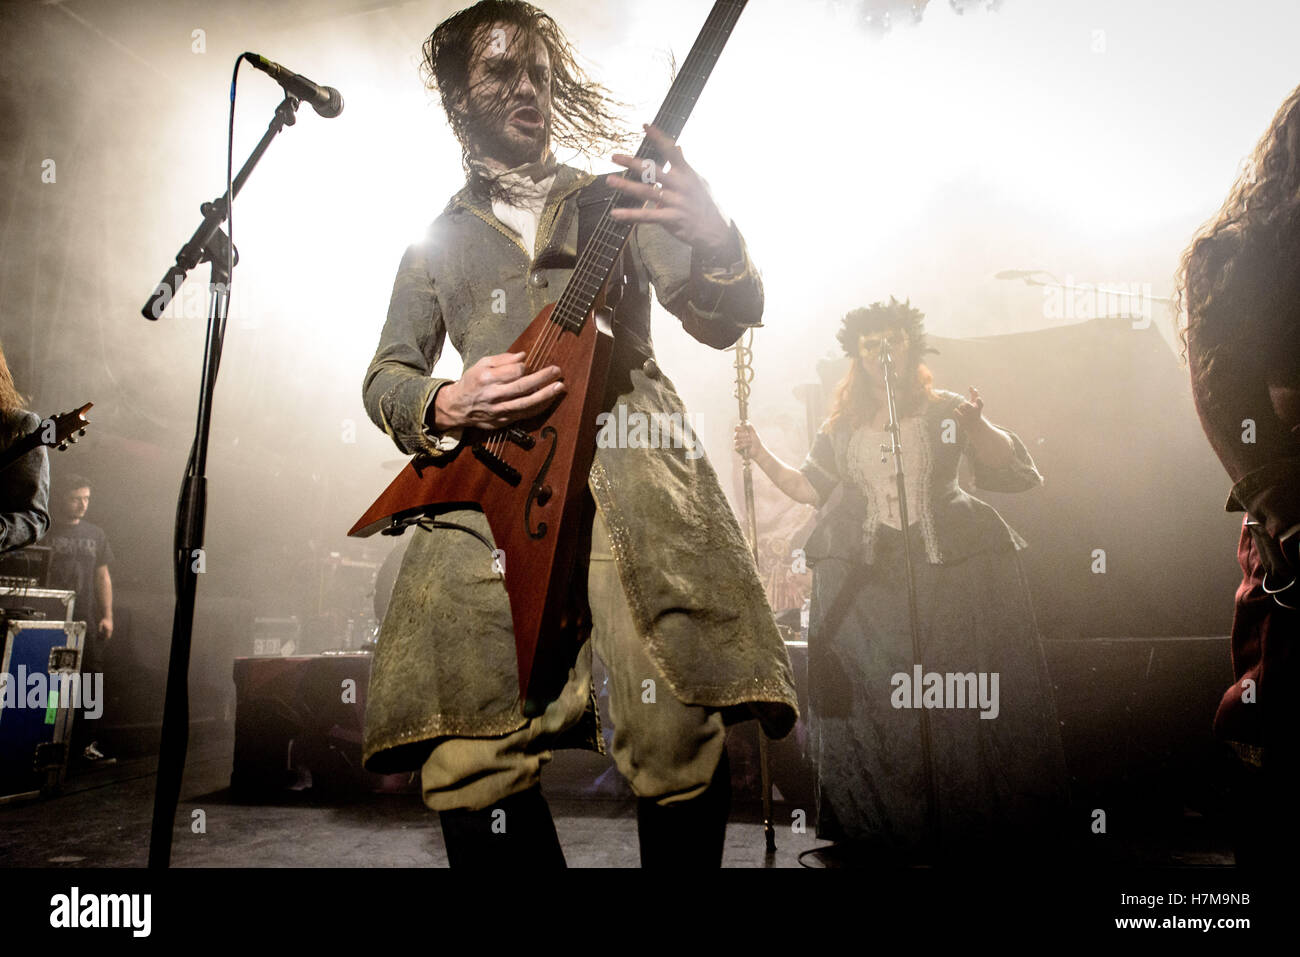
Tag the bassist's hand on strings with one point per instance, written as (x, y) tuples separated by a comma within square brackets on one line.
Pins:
[(494, 392), (683, 205)]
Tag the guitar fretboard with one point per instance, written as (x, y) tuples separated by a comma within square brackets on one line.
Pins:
[(596, 261)]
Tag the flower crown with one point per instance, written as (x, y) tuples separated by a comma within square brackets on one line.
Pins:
[(880, 317)]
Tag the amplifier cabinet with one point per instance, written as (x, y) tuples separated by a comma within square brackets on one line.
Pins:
[(50, 604), (298, 725)]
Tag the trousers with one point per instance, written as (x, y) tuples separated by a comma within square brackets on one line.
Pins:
[(666, 749)]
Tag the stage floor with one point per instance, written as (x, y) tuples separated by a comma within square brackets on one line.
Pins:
[(102, 820)]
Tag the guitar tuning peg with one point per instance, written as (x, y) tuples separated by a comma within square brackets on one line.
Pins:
[(82, 430), (63, 446), (72, 439)]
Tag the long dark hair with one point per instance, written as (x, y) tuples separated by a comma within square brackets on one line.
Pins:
[(1239, 278), (584, 117), (11, 403)]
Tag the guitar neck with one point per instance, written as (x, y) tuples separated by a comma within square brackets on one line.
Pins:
[(596, 261), (58, 431), (694, 72)]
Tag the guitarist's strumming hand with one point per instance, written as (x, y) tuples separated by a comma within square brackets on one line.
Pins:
[(683, 205), (494, 392)]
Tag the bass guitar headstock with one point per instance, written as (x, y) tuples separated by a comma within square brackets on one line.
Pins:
[(64, 429)]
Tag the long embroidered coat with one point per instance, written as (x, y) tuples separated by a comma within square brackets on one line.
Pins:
[(445, 663)]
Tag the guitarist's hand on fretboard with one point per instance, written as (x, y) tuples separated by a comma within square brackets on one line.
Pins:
[(682, 202), (495, 392)]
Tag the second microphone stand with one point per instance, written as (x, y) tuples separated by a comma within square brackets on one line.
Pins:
[(744, 350), (895, 448)]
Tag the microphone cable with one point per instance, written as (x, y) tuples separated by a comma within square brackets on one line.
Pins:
[(219, 337)]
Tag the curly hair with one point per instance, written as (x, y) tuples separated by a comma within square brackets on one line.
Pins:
[(854, 403), (1237, 281), (584, 117), (65, 483), (11, 402), (10, 399)]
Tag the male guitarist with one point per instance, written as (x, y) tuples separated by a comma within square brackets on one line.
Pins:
[(666, 591)]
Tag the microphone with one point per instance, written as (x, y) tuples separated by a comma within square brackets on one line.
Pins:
[(325, 100)]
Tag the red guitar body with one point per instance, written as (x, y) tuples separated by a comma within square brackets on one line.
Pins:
[(531, 484)]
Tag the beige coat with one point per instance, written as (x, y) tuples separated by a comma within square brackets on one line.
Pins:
[(445, 663)]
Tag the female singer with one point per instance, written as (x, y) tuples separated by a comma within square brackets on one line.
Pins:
[(998, 768)]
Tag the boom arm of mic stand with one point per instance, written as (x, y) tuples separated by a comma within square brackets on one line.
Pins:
[(214, 213)]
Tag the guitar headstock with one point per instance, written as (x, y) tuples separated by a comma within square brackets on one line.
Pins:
[(64, 430)]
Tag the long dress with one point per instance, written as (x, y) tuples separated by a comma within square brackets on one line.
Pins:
[(998, 766)]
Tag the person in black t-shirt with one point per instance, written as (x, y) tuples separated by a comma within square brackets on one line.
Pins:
[(79, 562)]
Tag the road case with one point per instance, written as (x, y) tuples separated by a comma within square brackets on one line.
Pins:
[(40, 690)]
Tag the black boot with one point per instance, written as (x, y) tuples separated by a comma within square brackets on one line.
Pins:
[(516, 833), (688, 834)]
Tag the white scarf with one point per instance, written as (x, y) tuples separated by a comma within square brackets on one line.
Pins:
[(528, 186)]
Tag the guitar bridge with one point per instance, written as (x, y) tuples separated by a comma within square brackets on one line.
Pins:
[(521, 438), (496, 466)]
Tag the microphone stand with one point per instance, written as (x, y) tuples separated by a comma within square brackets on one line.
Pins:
[(895, 447), (208, 244), (744, 376)]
